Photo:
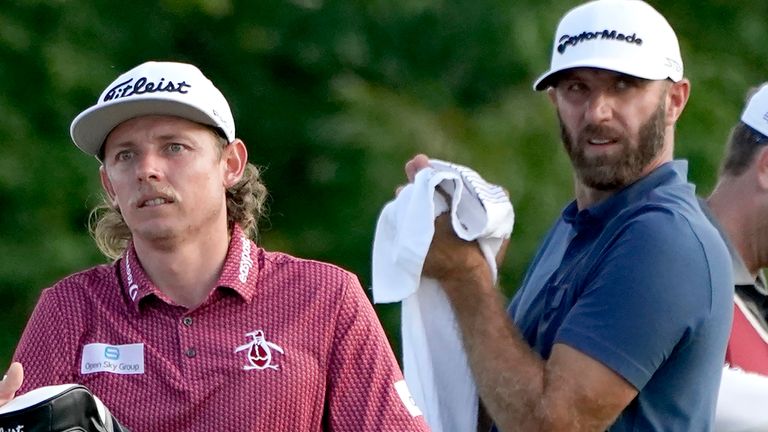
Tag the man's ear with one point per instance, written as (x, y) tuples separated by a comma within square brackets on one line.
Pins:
[(235, 159), (106, 184), (761, 167), (552, 95), (677, 98)]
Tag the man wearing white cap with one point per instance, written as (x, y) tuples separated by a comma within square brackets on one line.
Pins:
[(622, 319), (193, 327), (739, 209)]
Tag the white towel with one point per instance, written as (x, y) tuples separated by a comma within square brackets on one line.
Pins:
[(741, 402), (434, 362)]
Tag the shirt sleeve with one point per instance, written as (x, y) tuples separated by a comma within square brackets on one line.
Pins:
[(651, 291), (366, 390), (47, 348)]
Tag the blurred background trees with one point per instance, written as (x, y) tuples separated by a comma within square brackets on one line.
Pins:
[(332, 97)]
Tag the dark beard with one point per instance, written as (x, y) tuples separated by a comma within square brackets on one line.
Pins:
[(606, 173)]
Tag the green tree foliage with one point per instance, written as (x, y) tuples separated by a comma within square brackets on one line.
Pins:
[(332, 97)]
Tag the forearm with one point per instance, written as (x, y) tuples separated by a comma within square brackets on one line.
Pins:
[(508, 374), (522, 392)]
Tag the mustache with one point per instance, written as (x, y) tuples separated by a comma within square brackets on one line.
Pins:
[(588, 131), (592, 130), (157, 191)]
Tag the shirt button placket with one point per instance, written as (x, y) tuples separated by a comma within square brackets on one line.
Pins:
[(190, 352)]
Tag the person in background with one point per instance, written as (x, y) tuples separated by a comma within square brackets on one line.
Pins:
[(193, 326), (738, 208), (623, 317)]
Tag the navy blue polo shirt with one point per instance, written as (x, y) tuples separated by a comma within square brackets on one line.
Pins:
[(642, 283)]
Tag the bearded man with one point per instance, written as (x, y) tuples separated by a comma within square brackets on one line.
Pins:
[(622, 320)]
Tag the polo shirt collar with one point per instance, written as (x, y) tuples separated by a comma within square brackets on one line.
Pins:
[(741, 275), (672, 172), (760, 283), (241, 267), (239, 273)]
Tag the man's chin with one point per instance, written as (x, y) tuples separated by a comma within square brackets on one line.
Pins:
[(603, 178), (161, 236)]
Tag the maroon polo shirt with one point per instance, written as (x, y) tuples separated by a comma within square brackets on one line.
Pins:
[(281, 344)]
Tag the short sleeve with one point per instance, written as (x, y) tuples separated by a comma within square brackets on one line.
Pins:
[(364, 380), (47, 348), (651, 290)]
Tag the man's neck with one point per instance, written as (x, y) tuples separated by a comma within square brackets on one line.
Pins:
[(187, 270), (586, 197), (745, 230)]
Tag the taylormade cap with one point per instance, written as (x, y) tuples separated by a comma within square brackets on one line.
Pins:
[(153, 88), (755, 114), (626, 36)]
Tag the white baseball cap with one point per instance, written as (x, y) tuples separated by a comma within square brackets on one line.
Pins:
[(153, 88), (626, 36), (755, 114)]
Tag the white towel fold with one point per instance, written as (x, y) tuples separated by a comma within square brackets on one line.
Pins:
[(741, 402), (434, 362)]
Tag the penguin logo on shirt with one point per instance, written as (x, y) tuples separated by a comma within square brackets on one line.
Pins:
[(259, 351)]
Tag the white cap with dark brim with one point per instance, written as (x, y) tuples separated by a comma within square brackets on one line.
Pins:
[(153, 88), (755, 114), (625, 36)]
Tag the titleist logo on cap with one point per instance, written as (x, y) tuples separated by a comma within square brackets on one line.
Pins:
[(142, 85), (568, 40)]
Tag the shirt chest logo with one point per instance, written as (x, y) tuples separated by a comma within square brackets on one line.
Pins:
[(133, 288), (116, 359), (246, 263), (259, 352)]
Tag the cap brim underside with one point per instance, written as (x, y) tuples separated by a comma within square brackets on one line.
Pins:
[(90, 128), (546, 80)]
